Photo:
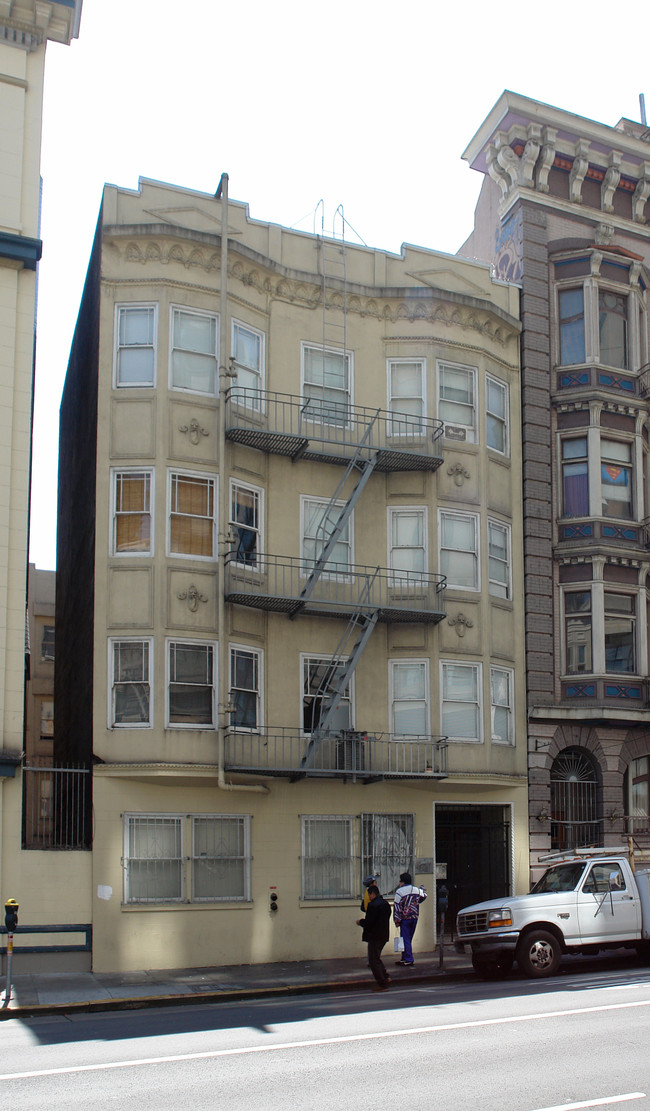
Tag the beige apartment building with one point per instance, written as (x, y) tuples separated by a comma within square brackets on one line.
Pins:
[(25, 29), (289, 590)]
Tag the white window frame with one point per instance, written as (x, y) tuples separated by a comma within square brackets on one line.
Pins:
[(319, 658), (504, 420), (345, 572), (477, 668), (393, 512), (308, 892), (150, 307), (471, 435), (509, 706), (174, 821), (213, 316), (116, 474), (243, 822), (240, 326), (305, 346), (505, 529), (394, 665), (448, 514), (112, 684), (193, 642), (258, 496), (258, 656), (203, 476), (415, 423)]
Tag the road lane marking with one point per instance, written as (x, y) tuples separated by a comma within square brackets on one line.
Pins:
[(595, 1102), (276, 1047)]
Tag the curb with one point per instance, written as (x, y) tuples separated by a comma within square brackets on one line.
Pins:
[(227, 995)]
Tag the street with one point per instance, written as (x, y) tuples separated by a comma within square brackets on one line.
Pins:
[(576, 1040)]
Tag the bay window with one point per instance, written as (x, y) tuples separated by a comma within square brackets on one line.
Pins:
[(616, 478), (409, 691), (326, 384), (407, 532), (571, 309), (245, 522), (245, 687), (496, 415), (132, 513), (135, 345), (577, 632), (248, 353), (130, 683), (406, 384), (192, 522), (459, 559), (499, 559), (461, 702), (194, 346), (620, 630), (191, 687), (575, 477), (318, 520), (457, 400), (501, 698), (612, 328)]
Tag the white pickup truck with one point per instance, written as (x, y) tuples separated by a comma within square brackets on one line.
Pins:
[(586, 900)]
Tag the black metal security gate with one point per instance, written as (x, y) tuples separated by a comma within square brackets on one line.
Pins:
[(474, 843)]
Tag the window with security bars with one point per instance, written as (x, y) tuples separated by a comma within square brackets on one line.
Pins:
[(153, 859), (386, 848), (220, 858), (327, 857)]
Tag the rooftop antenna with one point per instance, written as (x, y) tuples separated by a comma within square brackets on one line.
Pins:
[(642, 108)]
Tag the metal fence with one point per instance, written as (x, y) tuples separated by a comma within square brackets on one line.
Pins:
[(56, 807), (287, 752)]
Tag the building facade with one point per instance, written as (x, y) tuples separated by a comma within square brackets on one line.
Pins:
[(25, 30), (563, 210), (289, 586)]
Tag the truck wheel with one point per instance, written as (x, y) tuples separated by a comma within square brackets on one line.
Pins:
[(539, 954), (495, 968)]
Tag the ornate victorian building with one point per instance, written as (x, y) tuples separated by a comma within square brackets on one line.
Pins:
[(564, 212), (289, 586)]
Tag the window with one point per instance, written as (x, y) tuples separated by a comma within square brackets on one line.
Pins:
[(135, 345), (47, 719), (327, 863), (156, 869), (193, 362), (319, 518), (577, 619), (387, 848), (321, 674), (326, 384), (245, 687), (459, 549), (245, 522), (406, 383), (572, 326), (153, 859), (461, 702), (638, 790), (496, 415), (612, 328), (191, 685), (457, 400), (130, 683), (620, 623), (132, 512), (409, 694), (47, 643), (192, 524), (221, 858), (501, 682), (248, 353), (616, 478), (575, 477), (499, 559), (407, 539)]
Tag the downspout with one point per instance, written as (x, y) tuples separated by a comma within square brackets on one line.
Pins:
[(225, 374)]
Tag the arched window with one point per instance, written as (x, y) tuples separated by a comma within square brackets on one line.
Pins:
[(574, 800), (637, 795)]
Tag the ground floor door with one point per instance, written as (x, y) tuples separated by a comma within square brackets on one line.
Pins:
[(474, 843)]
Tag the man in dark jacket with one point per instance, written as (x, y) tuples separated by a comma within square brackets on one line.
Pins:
[(376, 930)]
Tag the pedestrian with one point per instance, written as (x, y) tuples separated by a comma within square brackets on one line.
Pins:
[(368, 882), (376, 929), (406, 910)]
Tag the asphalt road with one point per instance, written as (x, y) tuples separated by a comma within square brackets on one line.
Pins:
[(577, 1040)]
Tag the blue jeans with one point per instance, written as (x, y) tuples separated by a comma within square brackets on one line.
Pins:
[(407, 929)]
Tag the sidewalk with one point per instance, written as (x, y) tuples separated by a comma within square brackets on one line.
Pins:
[(54, 992)]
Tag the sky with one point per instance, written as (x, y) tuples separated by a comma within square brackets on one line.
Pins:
[(368, 106)]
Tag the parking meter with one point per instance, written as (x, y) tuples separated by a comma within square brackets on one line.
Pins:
[(11, 915)]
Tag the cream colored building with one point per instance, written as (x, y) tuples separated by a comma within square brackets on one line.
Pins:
[(25, 29), (289, 588)]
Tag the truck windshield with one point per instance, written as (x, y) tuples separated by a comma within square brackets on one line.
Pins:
[(563, 877)]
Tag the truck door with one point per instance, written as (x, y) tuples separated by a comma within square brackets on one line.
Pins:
[(608, 908)]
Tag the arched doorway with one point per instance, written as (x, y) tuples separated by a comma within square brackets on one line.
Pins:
[(575, 792)]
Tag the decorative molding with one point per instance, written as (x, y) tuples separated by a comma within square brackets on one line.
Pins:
[(193, 596), (460, 623), (194, 431), (458, 472), (610, 181), (578, 171), (604, 235), (641, 194), (549, 139)]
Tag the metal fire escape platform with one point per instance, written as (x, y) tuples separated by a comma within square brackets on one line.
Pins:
[(303, 428)]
